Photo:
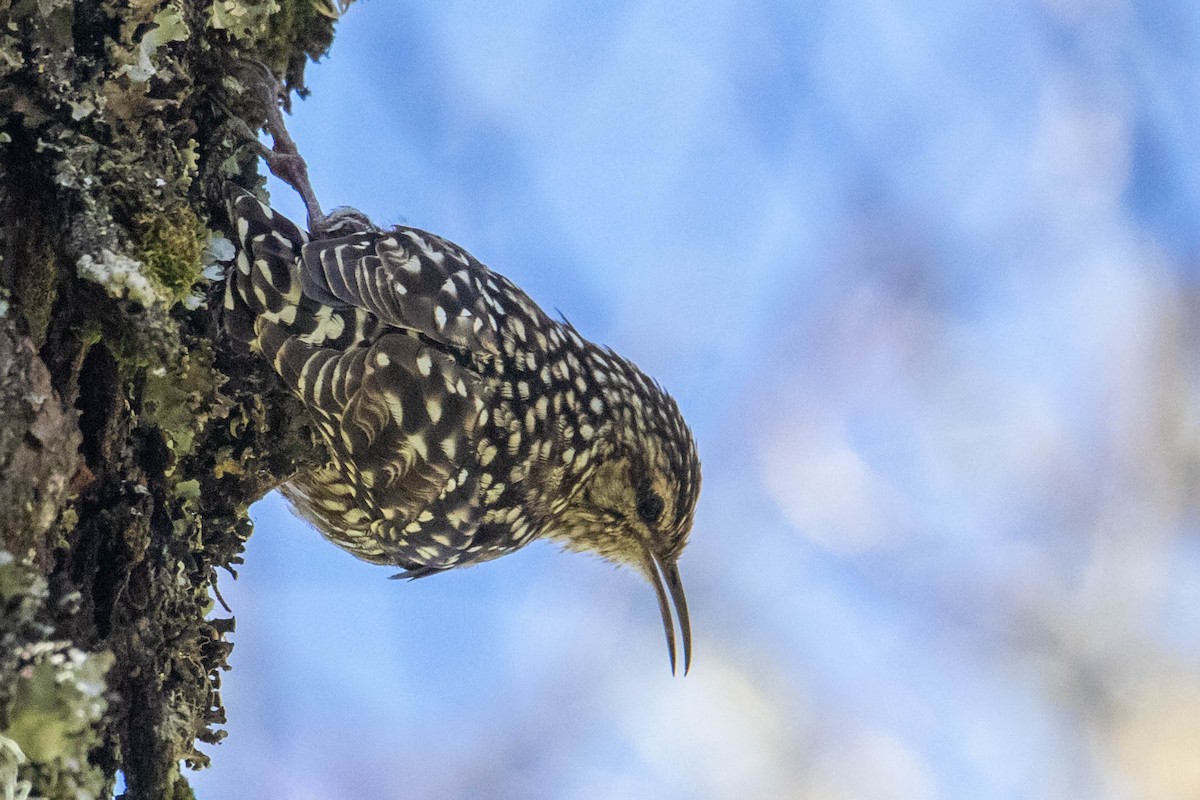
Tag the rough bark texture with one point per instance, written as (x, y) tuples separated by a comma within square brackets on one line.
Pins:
[(131, 441)]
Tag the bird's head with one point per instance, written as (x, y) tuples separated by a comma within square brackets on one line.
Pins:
[(635, 506)]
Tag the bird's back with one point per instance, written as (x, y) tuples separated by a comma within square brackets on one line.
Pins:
[(445, 396)]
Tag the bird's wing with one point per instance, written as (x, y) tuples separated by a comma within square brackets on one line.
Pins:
[(411, 279), (399, 418)]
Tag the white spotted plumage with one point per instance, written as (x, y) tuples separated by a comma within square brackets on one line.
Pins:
[(461, 421)]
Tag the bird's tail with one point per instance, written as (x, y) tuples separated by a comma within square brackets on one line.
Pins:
[(264, 283)]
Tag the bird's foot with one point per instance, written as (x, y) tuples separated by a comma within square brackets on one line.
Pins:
[(283, 157)]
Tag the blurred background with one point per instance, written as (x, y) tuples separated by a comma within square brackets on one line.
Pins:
[(923, 277)]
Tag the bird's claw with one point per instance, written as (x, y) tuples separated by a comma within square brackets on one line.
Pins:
[(283, 157)]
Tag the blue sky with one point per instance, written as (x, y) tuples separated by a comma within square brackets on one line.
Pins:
[(921, 275)]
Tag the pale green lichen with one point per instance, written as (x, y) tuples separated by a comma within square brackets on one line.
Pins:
[(81, 108), (177, 397), (121, 276), (12, 787), (168, 26), (189, 156), (60, 696), (241, 19), (217, 253), (20, 584)]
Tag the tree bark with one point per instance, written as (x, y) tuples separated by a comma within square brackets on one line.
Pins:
[(131, 440)]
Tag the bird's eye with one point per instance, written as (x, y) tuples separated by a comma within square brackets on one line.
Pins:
[(650, 508)]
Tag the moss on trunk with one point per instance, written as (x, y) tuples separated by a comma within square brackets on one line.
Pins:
[(131, 442)]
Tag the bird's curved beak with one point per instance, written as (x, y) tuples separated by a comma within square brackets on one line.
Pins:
[(660, 572)]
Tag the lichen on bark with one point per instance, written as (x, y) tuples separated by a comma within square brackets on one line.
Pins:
[(131, 441)]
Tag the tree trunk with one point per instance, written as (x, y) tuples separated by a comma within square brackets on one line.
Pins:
[(131, 441)]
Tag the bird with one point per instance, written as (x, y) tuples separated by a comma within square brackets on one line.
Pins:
[(461, 422)]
